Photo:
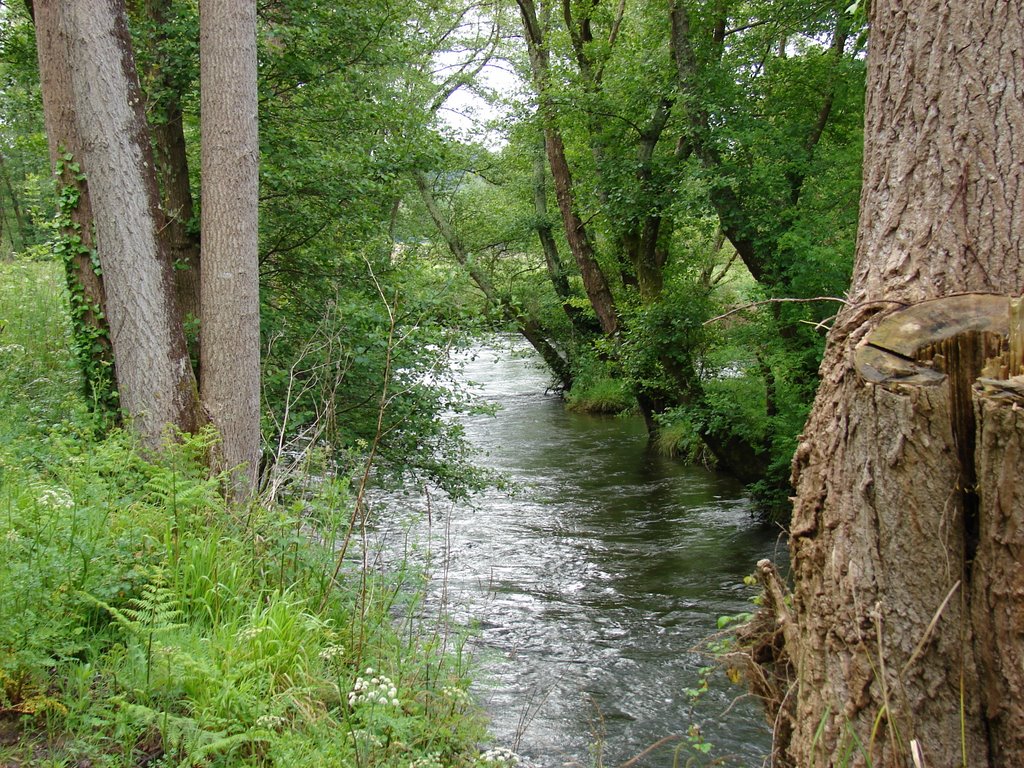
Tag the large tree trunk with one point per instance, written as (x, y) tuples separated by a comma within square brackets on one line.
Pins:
[(88, 301), (905, 631), (154, 377), (229, 268)]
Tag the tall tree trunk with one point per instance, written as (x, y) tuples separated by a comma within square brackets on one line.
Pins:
[(154, 377), (88, 301), (594, 281), (172, 171), (552, 259), (905, 630), (229, 268)]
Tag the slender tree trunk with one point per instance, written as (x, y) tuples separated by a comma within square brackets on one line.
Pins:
[(88, 299), (594, 281), (154, 377), (905, 630), (172, 170), (20, 229), (552, 259), (553, 262), (527, 326), (229, 268), (734, 221)]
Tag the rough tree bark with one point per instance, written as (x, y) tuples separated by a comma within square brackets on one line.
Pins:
[(92, 336), (154, 378), (905, 632), (167, 120), (229, 267)]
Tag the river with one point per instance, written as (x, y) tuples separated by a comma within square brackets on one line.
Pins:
[(592, 588)]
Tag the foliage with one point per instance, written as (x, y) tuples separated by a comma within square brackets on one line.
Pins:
[(91, 341), (714, 151), (361, 301), (26, 195), (597, 390), (352, 318), (348, 322), (173, 626), (34, 359), (142, 620)]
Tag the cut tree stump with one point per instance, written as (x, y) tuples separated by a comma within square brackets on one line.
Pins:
[(973, 344)]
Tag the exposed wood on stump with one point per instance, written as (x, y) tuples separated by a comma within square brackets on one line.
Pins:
[(997, 589)]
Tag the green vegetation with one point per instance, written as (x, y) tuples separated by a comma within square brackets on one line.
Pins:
[(143, 622), (597, 390)]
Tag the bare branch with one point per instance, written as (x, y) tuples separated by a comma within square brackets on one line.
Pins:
[(754, 304)]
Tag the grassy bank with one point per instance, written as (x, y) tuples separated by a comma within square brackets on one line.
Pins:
[(144, 623)]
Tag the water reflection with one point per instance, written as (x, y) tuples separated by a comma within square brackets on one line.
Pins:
[(594, 584)]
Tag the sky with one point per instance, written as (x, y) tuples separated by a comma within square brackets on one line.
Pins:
[(466, 113)]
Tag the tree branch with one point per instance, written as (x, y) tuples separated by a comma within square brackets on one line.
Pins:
[(754, 304)]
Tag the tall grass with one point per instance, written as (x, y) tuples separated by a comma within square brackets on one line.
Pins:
[(143, 622)]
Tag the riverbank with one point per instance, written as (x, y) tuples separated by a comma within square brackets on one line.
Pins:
[(144, 623)]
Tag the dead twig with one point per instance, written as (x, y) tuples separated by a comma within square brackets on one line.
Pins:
[(659, 743), (754, 304)]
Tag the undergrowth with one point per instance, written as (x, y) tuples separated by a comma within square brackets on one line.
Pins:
[(145, 623)]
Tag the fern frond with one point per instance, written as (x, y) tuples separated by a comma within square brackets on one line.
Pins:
[(156, 611)]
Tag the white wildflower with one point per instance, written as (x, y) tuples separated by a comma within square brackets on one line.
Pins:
[(499, 756), (456, 694), (331, 652), (433, 760), (250, 633), (377, 690), (55, 498), (271, 722)]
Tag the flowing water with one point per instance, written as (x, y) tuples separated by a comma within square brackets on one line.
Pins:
[(593, 586)]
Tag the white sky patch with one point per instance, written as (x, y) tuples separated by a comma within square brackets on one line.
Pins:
[(482, 111)]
